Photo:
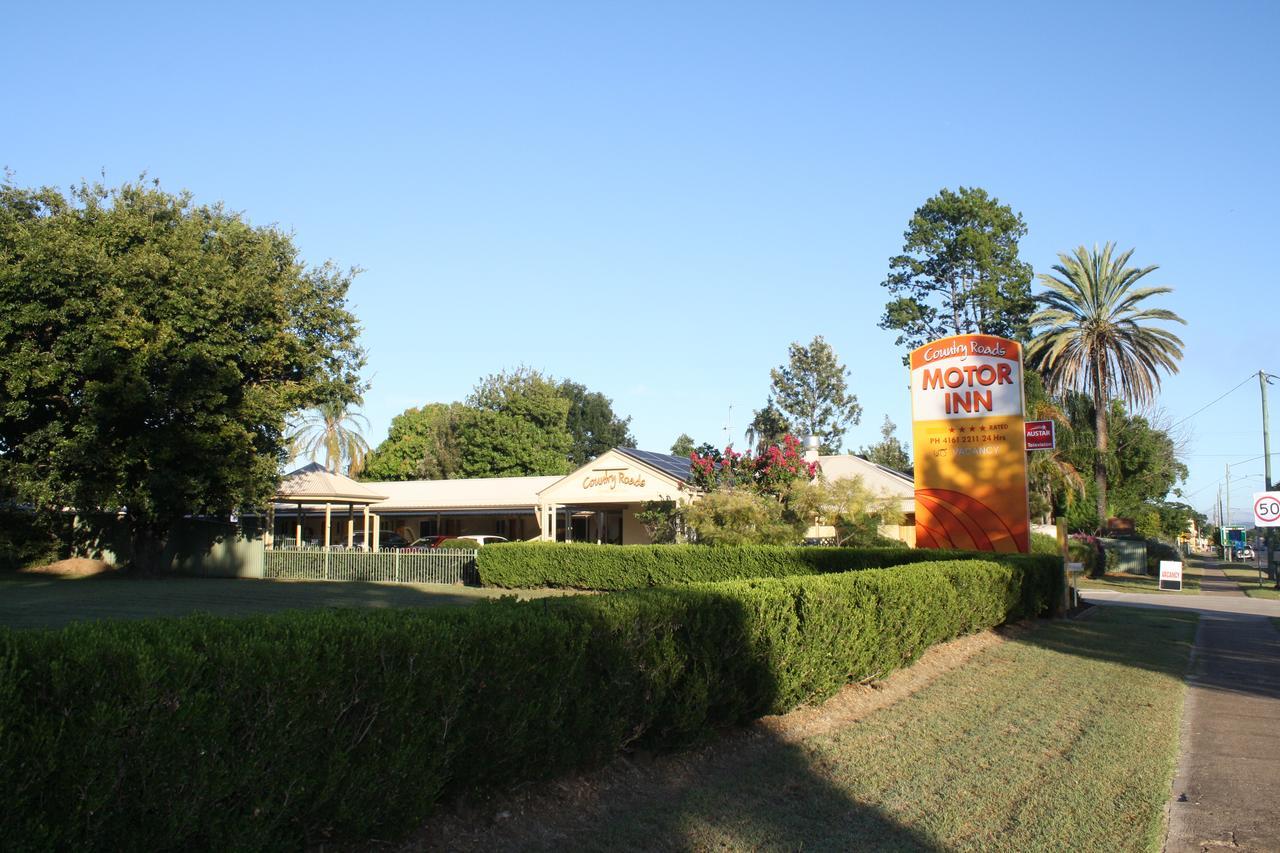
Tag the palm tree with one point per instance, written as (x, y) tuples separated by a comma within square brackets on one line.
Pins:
[(1093, 337), (334, 430)]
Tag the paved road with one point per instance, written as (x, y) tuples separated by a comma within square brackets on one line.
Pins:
[(1206, 602), (1227, 785)]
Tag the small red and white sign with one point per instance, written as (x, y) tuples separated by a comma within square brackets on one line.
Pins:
[(1041, 435), (1266, 509), (1170, 574)]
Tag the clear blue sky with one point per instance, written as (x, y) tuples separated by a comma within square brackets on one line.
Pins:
[(656, 200)]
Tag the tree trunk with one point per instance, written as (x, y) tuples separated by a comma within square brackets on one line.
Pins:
[(1100, 426)]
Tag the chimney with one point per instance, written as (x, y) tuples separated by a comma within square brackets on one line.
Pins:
[(811, 445)]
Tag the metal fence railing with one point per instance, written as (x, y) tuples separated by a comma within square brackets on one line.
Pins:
[(442, 565)]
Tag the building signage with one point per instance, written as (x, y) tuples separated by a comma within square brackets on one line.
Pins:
[(970, 444), (1041, 435), (1170, 574), (1266, 509), (612, 479)]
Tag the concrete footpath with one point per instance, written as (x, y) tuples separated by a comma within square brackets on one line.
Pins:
[(1226, 791)]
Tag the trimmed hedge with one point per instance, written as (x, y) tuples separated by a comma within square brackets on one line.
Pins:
[(524, 565), (287, 730)]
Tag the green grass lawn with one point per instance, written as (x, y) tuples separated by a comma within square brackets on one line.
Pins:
[(28, 601), (1139, 583), (1247, 579), (1064, 739)]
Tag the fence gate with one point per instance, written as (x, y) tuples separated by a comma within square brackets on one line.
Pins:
[(442, 565)]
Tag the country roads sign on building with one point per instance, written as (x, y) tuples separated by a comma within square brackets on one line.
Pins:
[(970, 444)]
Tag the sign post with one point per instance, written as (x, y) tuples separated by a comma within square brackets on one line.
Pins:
[(1170, 574), (970, 445)]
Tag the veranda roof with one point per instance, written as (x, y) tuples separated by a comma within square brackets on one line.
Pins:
[(313, 483)]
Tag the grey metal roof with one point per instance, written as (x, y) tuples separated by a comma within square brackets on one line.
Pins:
[(676, 466)]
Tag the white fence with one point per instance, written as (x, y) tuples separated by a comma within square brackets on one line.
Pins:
[(441, 565)]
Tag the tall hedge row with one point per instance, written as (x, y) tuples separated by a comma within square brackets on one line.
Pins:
[(286, 730), (582, 566)]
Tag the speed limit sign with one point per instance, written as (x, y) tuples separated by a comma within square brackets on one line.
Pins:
[(1266, 509)]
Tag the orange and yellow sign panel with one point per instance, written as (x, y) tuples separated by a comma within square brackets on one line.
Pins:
[(970, 450)]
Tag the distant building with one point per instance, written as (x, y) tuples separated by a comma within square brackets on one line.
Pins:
[(597, 502)]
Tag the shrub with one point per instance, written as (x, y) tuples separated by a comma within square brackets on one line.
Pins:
[(583, 566), (291, 729), (1157, 551), (1084, 550), (1043, 543), (27, 539)]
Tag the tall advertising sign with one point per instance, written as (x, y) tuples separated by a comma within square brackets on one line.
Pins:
[(970, 445)]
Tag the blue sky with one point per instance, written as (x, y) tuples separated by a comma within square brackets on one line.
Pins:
[(656, 200)]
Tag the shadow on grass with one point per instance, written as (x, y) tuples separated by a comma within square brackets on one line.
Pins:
[(1240, 653), (34, 601), (764, 795), (1170, 635)]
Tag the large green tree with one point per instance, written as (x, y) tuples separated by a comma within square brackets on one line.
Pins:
[(421, 444), (811, 389), (592, 423), (151, 349), (1095, 335), (516, 425), (959, 271)]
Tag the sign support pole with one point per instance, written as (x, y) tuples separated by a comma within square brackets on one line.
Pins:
[(1266, 467)]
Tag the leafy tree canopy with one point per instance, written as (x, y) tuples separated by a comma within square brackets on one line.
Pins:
[(811, 389), (513, 424), (592, 423), (889, 451), (767, 427), (1142, 463), (683, 445), (421, 444), (151, 349), (959, 271)]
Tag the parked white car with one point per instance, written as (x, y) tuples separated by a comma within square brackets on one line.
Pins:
[(483, 538)]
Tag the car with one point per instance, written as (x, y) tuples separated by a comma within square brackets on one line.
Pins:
[(386, 540), (1246, 553), (426, 543), (482, 538)]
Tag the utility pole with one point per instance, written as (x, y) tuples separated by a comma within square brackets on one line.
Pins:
[(1266, 463), (1228, 551)]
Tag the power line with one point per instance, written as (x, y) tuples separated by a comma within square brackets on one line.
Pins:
[(1207, 405), (1122, 444)]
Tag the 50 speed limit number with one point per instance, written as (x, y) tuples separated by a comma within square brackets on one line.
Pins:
[(1266, 509)]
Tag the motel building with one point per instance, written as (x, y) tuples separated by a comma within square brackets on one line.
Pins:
[(596, 503)]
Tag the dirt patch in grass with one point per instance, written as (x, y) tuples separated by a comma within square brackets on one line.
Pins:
[(545, 817), (76, 567), (856, 701)]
